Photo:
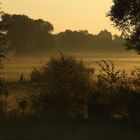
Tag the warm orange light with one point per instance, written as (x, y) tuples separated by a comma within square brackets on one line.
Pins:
[(65, 14)]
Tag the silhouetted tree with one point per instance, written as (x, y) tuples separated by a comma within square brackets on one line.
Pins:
[(105, 35), (64, 84), (27, 35), (125, 15), (82, 41), (3, 40), (111, 94), (22, 104), (3, 50)]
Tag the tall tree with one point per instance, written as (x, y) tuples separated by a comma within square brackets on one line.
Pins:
[(25, 34), (3, 50), (125, 15), (3, 32)]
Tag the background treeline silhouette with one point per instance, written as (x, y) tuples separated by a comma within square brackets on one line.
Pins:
[(29, 36)]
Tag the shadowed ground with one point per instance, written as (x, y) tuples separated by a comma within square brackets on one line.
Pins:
[(50, 130)]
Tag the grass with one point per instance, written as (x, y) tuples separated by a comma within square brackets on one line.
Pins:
[(53, 130), (42, 129)]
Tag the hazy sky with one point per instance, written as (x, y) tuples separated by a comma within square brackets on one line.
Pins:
[(65, 14)]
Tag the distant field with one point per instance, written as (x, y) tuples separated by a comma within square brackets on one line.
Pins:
[(17, 66)]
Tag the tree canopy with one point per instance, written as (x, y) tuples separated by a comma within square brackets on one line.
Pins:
[(26, 34), (125, 15), (34, 36), (3, 32)]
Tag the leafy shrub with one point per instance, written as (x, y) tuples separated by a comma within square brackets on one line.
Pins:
[(22, 104), (62, 85), (3, 98), (111, 94)]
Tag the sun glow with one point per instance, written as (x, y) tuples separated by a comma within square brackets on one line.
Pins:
[(65, 14)]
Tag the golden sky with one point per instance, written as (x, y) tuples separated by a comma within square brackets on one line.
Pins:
[(65, 14)]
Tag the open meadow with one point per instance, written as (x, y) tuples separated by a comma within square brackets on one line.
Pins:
[(15, 67)]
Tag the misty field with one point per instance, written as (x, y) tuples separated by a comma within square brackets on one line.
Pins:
[(17, 66), (31, 113)]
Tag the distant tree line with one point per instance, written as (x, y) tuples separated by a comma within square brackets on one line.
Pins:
[(29, 36), (26, 35)]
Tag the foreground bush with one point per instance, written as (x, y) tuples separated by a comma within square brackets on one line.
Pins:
[(63, 85), (112, 90)]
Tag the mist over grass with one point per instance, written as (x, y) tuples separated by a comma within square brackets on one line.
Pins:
[(67, 77), (66, 92)]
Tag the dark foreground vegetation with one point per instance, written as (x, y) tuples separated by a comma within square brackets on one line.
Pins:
[(54, 130), (67, 100)]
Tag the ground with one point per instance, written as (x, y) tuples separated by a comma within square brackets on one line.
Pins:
[(54, 130)]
